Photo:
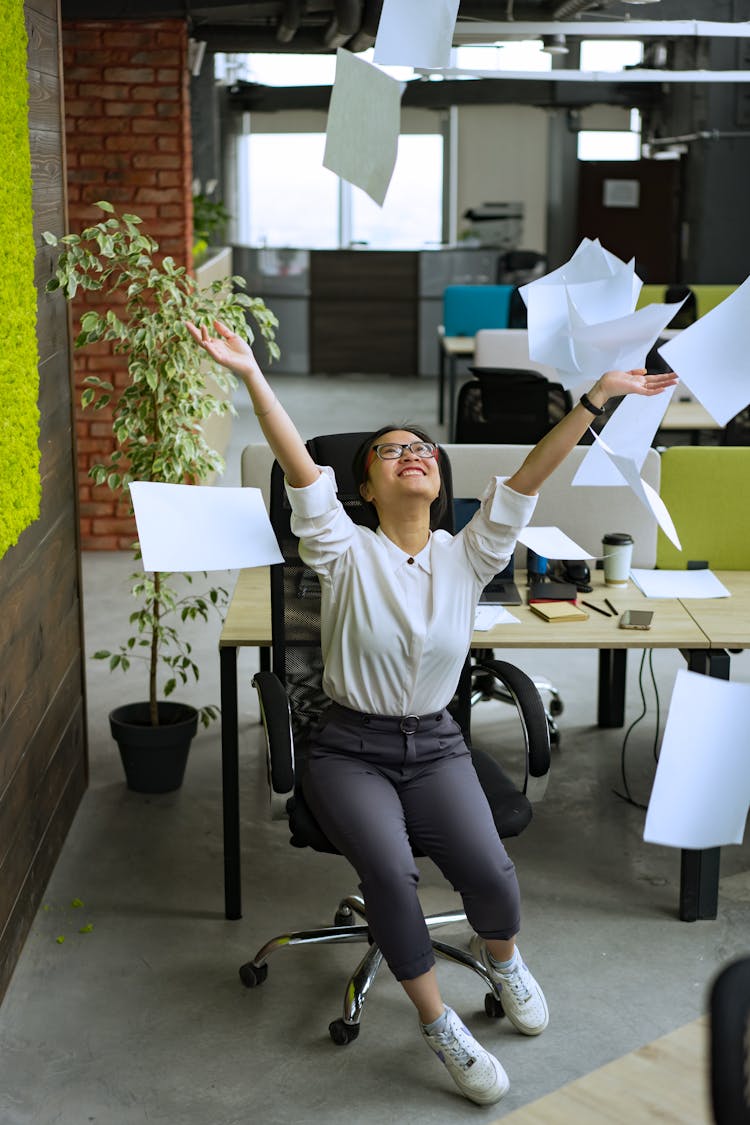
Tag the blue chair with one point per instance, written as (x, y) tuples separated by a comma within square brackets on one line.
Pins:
[(466, 309)]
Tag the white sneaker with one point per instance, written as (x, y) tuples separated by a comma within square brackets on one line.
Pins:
[(521, 997), (477, 1073)]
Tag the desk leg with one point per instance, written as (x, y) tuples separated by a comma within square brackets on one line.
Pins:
[(699, 870), (613, 663), (441, 384), (230, 782), (452, 399)]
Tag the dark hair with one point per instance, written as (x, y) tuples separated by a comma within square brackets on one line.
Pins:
[(439, 504)]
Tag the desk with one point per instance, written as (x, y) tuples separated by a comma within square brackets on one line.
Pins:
[(690, 417), (667, 1081), (451, 348), (248, 623)]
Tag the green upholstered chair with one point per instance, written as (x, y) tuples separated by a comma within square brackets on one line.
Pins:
[(707, 492)]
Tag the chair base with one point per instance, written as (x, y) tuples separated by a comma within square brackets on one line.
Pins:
[(346, 1029)]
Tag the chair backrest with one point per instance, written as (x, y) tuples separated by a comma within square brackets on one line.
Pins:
[(508, 405), (295, 592), (707, 492), (507, 347), (467, 308)]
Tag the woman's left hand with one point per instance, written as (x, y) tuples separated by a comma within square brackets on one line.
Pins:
[(635, 382)]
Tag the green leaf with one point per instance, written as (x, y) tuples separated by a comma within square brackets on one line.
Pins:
[(104, 206), (87, 929), (102, 654), (60, 939), (76, 903), (49, 238)]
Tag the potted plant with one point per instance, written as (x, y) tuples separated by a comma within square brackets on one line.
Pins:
[(141, 306)]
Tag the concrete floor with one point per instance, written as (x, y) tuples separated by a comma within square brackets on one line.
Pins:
[(144, 1018)]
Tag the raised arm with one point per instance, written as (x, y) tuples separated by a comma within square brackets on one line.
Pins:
[(555, 446), (234, 353)]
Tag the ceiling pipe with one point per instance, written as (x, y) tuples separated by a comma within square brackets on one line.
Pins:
[(573, 7), (290, 20), (346, 22), (365, 37)]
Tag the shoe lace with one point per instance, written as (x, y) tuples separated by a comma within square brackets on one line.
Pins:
[(515, 981), (452, 1045)]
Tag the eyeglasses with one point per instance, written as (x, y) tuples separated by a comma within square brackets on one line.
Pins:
[(392, 450)]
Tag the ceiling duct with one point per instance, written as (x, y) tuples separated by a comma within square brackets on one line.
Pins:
[(346, 22), (290, 20)]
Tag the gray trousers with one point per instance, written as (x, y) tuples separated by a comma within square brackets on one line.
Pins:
[(374, 791)]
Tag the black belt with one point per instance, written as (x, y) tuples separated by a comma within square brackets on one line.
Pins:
[(407, 724)]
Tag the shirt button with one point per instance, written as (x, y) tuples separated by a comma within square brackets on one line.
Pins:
[(410, 561)]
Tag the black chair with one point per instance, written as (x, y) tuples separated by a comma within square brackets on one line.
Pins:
[(508, 406), (291, 700), (730, 1044)]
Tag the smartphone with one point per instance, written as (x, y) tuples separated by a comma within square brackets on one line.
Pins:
[(636, 619)]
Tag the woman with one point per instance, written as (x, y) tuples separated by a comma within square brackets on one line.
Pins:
[(387, 763)]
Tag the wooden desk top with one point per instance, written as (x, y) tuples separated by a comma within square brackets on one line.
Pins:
[(687, 416), (666, 1081), (248, 620), (458, 345), (725, 621)]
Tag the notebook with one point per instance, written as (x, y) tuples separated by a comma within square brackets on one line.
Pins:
[(558, 611), (500, 590)]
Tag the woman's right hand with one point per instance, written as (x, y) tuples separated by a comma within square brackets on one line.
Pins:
[(227, 348)]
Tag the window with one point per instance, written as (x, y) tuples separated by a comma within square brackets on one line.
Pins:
[(287, 197), (412, 215), (611, 144)]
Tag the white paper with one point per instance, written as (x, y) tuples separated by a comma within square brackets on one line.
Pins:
[(416, 33), (552, 543), (486, 616), (185, 527), (679, 583), (364, 119), (581, 317), (648, 496), (701, 790), (711, 356), (630, 431)]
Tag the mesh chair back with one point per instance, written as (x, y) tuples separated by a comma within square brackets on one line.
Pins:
[(295, 591), (508, 406)]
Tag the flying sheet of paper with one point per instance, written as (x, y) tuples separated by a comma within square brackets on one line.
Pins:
[(679, 583), (416, 33), (364, 118), (197, 527), (647, 495), (486, 616), (710, 356), (630, 430), (701, 790), (581, 317), (552, 543)]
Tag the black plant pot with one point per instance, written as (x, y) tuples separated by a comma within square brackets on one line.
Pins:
[(154, 758)]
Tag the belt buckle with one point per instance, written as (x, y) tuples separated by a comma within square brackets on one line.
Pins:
[(409, 724)]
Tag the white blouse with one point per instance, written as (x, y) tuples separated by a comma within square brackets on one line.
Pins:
[(394, 634)]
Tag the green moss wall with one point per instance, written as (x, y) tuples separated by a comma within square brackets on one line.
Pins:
[(20, 487)]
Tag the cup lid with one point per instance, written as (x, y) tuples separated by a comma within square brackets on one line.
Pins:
[(614, 537)]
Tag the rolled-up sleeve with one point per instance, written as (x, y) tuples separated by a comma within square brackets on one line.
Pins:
[(319, 520), (491, 534)]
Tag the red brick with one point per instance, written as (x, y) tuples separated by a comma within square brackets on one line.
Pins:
[(98, 542), (159, 128), (131, 75), (167, 109), (155, 93), (169, 74), (129, 109), (83, 107), (108, 91), (158, 160), (84, 74)]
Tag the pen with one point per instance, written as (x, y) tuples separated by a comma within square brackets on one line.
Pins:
[(597, 608), (609, 605)]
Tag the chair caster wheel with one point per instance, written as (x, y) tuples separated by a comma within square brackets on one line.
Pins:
[(343, 918), (556, 706), (493, 1007), (342, 1033), (252, 975)]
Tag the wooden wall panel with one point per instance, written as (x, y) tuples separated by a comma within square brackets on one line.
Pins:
[(43, 765)]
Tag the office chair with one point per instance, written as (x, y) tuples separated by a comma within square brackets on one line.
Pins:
[(291, 700), (508, 406), (729, 1007)]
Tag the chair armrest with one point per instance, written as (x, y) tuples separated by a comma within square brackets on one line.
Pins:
[(533, 723), (276, 718)]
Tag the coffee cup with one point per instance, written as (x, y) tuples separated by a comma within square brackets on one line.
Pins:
[(617, 549)]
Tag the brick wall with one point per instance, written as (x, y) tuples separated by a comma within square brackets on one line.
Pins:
[(127, 116)]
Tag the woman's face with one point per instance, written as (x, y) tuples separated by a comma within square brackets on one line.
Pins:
[(402, 479)]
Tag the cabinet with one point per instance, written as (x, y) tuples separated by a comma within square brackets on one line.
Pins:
[(363, 312)]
